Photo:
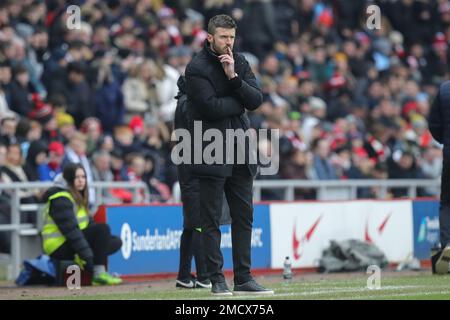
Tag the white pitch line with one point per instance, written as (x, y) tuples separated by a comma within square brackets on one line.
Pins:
[(315, 293)]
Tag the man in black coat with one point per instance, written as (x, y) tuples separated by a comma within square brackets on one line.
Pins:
[(439, 125), (220, 86)]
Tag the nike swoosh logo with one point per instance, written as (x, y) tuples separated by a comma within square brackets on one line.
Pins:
[(380, 228), (296, 243)]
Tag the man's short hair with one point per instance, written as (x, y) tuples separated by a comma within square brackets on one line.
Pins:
[(221, 21)]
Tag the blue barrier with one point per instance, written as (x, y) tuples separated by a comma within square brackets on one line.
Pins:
[(426, 227), (151, 239)]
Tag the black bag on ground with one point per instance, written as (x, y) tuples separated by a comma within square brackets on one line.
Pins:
[(351, 255)]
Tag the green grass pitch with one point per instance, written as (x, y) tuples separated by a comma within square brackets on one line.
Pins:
[(394, 286)]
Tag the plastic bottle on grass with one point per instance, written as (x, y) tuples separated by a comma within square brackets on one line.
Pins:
[(287, 269)]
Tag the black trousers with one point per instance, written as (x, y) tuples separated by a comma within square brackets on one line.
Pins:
[(191, 244), (238, 191), (444, 210), (100, 240)]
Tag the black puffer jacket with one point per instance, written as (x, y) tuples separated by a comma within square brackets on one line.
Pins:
[(62, 212), (439, 117), (189, 183), (220, 103)]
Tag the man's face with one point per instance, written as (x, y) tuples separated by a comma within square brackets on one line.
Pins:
[(5, 74), (9, 127), (222, 39), (14, 155), (79, 146), (103, 163)]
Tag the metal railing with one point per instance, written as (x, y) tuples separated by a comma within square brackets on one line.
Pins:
[(342, 189), (334, 189), (19, 229)]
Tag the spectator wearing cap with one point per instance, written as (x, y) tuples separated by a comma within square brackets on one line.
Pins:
[(137, 125), (43, 113), (66, 127), (49, 170)]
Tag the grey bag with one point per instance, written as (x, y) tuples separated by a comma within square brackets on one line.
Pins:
[(351, 255)]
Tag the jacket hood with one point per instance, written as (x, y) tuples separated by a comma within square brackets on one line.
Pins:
[(60, 185), (35, 148)]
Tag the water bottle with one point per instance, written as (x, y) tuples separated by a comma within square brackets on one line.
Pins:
[(287, 269)]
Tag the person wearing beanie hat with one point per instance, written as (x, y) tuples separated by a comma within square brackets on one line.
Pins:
[(137, 125), (49, 170), (63, 119), (41, 112)]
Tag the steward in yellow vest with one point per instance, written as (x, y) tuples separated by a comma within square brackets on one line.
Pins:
[(69, 233)]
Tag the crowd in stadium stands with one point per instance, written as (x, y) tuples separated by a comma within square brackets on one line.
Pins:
[(351, 103)]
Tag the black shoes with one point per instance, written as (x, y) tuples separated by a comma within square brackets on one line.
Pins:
[(203, 284), (251, 288), (248, 288), (185, 283), (220, 289), (192, 282)]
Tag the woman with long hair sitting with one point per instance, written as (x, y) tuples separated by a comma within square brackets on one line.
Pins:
[(68, 232)]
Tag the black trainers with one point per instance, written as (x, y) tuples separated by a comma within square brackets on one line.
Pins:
[(220, 289), (185, 283), (251, 288), (441, 265), (205, 284)]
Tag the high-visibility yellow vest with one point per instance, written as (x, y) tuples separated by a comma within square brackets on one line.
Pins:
[(51, 235)]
